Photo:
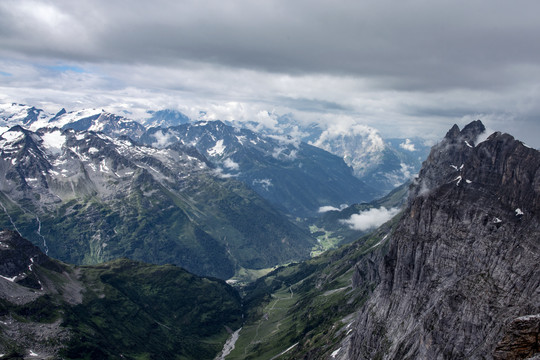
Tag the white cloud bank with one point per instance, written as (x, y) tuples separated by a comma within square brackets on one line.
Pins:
[(162, 140), (231, 164), (371, 218), (407, 145), (328, 208)]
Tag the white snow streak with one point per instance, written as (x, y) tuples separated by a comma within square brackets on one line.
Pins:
[(9, 279), (45, 247), (284, 352), (10, 219), (528, 317), (379, 243)]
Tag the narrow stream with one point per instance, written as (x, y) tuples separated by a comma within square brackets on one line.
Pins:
[(10, 219), (229, 345), (45, 247)]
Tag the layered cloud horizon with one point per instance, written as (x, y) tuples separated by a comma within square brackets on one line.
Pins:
[(407, 69)]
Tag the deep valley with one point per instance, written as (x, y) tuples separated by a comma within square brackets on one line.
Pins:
[(201, 240)]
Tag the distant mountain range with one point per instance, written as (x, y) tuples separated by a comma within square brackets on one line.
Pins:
[(88, 198), (381, 163), (166, 118), (214, 198), (295, 177)]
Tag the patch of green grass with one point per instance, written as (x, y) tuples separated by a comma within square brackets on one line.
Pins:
[(147, 311), (306, 305), (245, 276), (327, 240), (42, 310)]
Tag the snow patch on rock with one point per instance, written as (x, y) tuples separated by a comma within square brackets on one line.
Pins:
[(218, 149), (53, 141)]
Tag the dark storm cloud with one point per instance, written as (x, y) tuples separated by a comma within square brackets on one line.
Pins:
[(407, 66), (311, 105), (408, 44), (438, 112)]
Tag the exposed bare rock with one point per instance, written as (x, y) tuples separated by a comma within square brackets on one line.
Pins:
[(464, 260), (18, 257), (45, 340), (521, 339)]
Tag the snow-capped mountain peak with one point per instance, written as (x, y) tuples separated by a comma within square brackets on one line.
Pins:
[(166, 118), (63, 118), (12, 114)]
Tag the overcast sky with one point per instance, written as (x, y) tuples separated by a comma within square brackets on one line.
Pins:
[(406, 67)]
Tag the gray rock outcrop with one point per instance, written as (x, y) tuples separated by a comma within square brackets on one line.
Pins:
[(521, 339), (464, 261), (17, 257)]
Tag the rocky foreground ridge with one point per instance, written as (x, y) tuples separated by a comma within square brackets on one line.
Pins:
[(117, 310), (459, 278)]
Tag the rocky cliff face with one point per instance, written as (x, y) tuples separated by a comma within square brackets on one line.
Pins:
[(464, 261), (17, 260), (521, 339)]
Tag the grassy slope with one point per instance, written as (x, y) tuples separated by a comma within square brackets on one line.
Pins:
[(305, 306), (145, 311), (132, 310), (211, 228)]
